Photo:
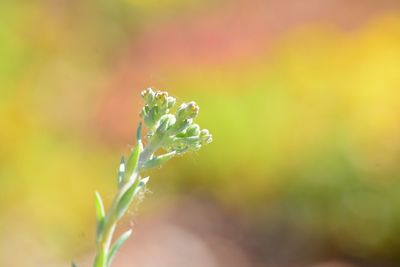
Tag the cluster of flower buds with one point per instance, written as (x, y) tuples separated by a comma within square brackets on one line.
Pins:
[(174, 132), (156, 105)]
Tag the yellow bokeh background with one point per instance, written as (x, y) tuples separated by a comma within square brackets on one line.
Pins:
[(305, 118)]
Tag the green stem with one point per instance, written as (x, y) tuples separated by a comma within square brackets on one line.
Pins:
[(103, 243), (149, 150)]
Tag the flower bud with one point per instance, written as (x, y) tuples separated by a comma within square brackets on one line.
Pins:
[(192, 110), (166, 122), (150, 116), (187, 111), (148, 96), (180, 127), (205, 137), (180, 113), (161, 99), (193, 130), (170, 102)]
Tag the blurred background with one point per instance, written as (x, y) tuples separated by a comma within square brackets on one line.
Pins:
[(302, 97)]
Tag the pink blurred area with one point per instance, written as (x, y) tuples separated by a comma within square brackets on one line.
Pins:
[(226, 36), (302, 98)]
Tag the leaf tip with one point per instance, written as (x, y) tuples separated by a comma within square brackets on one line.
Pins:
[(145, 180), (139, 132)]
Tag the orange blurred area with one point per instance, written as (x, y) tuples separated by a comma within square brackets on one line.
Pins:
[(302, 98)]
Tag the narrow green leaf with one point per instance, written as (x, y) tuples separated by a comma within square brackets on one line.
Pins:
[(73, 264), (121, 171), (100, 259), (116, 246), (130, 193), (139, 132), (127, 198), (133, 159), (159, 160), (100, 213)]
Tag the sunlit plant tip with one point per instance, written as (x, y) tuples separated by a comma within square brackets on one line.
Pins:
[(168, 134)]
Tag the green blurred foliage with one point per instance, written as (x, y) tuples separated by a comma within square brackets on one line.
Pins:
[(314, 129), (309, 127)]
